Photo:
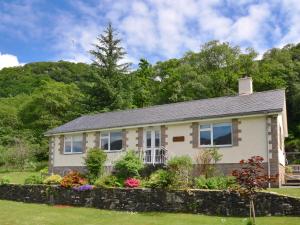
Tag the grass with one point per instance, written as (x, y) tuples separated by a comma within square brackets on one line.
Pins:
[(294, 192), (17, 177), (37, 214)]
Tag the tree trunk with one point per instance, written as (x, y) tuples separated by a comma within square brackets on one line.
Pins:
[(252, 212)]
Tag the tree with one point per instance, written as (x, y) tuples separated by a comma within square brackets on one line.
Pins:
[(251, 179), (51, 105), (108, 53)]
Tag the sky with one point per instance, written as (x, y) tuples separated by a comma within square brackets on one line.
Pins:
[(52, 30)]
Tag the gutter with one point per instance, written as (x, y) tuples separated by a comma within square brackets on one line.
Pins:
[(170, 122)]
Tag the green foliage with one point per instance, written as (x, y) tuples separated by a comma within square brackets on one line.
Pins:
[(159, 179), (4, 180), (129, 165), (219, 182), (33, 179), (206, 159), (94, 162), (53, 179), (108, 53), (108, 181), (179, 168)]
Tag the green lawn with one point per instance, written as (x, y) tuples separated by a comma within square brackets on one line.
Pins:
[(16, 213), (17, 177), (295, 192)]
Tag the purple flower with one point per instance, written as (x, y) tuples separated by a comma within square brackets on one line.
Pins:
[(85, 187)]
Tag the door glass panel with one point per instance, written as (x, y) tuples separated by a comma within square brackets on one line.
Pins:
[(157, 138), (148, 139)]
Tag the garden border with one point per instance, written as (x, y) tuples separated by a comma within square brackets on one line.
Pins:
[(209, 202)]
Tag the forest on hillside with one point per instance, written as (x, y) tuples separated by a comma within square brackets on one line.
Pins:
[(40, 96)]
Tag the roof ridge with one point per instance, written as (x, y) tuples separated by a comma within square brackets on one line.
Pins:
[(177, 103)]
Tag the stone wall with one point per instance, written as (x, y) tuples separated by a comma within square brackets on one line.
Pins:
[(191, 201)]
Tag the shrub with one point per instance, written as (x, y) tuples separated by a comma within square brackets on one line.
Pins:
[(221, 182), (207, 158), (53, 179), (132, 183), (180, 167), (159, 179), (108, 181), (289, 169), (129, 165), (94, 162), (4, 180), (33, 179), (73, 179)]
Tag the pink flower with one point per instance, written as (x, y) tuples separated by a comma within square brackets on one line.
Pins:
[(132, 182)]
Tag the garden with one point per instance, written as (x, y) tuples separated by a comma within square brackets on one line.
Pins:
[(173, 188)]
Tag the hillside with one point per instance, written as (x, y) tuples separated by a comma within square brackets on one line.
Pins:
[(40, 96)]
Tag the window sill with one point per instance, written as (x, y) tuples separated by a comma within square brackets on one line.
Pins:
[(113, 151), (215, 146), (73, 153)]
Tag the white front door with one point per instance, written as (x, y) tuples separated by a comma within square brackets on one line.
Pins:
[(152, 146)]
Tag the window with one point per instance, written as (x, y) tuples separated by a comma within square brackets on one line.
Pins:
[(216, 134), (73, 144), (111, 141)]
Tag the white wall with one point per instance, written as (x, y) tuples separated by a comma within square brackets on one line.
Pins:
[(253, 141), (281, 152)]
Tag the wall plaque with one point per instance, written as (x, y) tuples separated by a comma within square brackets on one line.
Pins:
[(178, 138)]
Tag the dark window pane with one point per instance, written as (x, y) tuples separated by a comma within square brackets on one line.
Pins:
[(222, 134), (68, 146), (205, 138), (77, 146), (148, 139), (115, 141), (157, 138), (104, 143)]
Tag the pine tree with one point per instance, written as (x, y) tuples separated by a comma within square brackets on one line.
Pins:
[(108, 53)]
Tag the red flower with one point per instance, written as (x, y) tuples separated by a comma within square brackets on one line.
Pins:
[(132, 183)]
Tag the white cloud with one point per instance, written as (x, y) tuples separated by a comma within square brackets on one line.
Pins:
[(154, 29), (7, 60)]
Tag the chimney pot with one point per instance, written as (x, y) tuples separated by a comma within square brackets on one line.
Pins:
[(245, 86)]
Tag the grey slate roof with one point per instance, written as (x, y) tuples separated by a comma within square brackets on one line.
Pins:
[(256, 103)]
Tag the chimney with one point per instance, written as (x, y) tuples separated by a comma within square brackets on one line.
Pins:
[(245, 86)]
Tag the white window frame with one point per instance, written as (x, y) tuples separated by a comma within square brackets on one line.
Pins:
[(71, 137), (210, 128), (108, 138)]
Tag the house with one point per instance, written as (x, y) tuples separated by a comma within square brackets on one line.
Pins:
[(239, 126)]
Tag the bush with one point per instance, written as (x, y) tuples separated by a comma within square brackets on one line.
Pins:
[(73, 179), (4, 180), (132, 183), (94, 162), (53, 179), (220, 183), (108, 181), (129, 165), (180, 167), (207, 158), (33, 179), (159, 179)]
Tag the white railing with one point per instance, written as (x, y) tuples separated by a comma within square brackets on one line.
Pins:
[(296, 168), (154, 155)]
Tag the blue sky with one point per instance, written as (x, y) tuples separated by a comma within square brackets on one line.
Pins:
[(51, 30)]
